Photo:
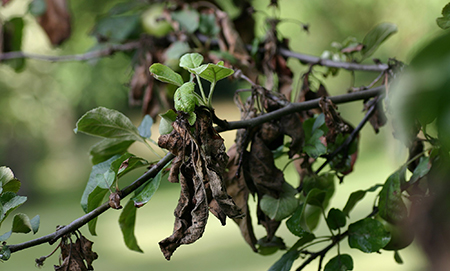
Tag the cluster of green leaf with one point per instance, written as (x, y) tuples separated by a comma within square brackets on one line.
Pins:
[(112, 161), (9, 201), (185, 98)]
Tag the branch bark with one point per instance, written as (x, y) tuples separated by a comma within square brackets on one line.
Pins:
[(78, 57), (295, 107)]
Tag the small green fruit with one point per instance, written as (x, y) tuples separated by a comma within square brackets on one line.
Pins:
[(152, 25)]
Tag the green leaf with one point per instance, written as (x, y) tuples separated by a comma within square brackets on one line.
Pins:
[(208, 24), (192, 117), (146, 192), (376, 37), (35, 222), (284, 206), (5, 236), (145, 128), (390, 205), (286, 261), (127, 221), (8, 183), (5, 253), (268, 247), (355, 197), (313, 146), (94, 200), (336, 219), (184, 98), (187, 18), (421, 170), (212, 72), (368, 235), (107, 148), (444, 21), (191, 61), (97, 179), (294, 223), (37, 7), (398, 259), (118, 28), (108, 123), (9, 201), (342, 262), (174, 53), (165, 125), (21, 224), (165, 74), (130, 163), (13, 33), (6, 175)]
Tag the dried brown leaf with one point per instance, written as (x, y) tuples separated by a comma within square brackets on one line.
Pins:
[(114, 201), (237, 189), (56, 21)]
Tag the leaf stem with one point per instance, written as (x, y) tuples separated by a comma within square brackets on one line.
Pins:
[(200, 86)]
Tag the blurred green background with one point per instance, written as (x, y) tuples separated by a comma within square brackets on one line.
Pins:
[(40, 106)]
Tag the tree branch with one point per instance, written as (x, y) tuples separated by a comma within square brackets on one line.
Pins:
[(289, 109), (297, 107), (78, 57)]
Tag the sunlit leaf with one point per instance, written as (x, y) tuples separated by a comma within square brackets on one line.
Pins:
[(145, 127), (165, 74), (191, 61), (127, 221), (368, 235), (184, 98), (341, 262), (212, 72), (376, 37), (108, 123), (280, 208)]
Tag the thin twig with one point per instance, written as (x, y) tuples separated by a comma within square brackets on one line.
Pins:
[(78, 57), (352, 136)]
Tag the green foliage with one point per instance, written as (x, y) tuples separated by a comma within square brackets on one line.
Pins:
[(313, 133), (166, 74), (108, 123), (368, 235), (444, 21), (282, 207), (127, 221), (391, 206), (355, 197), (341, 262), (376, 37)]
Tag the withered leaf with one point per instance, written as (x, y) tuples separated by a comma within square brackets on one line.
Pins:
[(378, 118), (56, 21), (336, 125), (114, 201), (266, 176), (199, 167), (238, 190)]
